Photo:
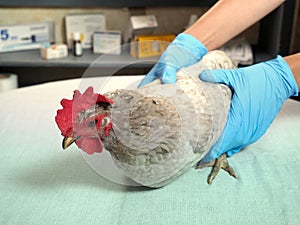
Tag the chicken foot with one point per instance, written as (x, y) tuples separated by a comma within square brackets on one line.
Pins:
[(217, 164)]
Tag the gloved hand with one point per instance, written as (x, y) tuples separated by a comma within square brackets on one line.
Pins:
[(184, 51), (259, 91)]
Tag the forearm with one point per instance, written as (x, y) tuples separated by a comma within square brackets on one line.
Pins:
[(228, 18), (294, 63)]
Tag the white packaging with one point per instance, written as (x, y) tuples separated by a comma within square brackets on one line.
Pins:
[(25, 36), (8, 82), (54, 51), (140, 25), (239, 49), (86, 24), (107, 42)]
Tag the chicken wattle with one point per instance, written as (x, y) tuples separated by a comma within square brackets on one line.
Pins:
[(154, 133)]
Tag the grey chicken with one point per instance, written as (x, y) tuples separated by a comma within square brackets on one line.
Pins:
[(157, 132)]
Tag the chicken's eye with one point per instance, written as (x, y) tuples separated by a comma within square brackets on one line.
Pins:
[(92, 123)]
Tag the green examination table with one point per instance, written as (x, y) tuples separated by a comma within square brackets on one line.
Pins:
[(42, 184)]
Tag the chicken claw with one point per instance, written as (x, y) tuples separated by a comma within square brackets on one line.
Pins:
[(217, 164)]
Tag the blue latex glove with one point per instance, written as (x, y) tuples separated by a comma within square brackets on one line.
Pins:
[(184, 51), (259, 91)]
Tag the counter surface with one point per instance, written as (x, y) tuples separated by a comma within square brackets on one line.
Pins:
[(41, 184)]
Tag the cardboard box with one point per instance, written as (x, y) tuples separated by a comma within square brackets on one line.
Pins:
[(107, 42), (148, 46), (25, 36), (86, 24), (54, 51), (139, 25)]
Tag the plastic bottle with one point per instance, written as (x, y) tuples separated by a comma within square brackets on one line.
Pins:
[(77, 46)]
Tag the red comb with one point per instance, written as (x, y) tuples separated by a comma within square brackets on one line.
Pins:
[(67, 116)]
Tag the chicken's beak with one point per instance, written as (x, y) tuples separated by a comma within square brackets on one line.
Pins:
[(67, 142)]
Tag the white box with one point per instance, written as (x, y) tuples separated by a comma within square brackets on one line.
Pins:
[(25, 36), (140, 25), (143, 22), (54, 51), (86, 24), (107, 42)]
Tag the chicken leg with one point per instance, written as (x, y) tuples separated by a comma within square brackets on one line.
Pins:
[(217, 164)]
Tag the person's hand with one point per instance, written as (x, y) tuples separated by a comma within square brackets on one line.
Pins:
[(184, 51), (259, 91)]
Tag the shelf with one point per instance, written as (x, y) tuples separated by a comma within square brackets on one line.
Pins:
[(32, 69), (32, 58)]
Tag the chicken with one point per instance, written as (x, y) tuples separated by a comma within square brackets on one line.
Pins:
[(157, 132)]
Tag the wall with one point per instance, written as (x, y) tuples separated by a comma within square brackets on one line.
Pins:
[(170, 20), (116, 18)]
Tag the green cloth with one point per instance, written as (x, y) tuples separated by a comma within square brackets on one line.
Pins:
[(42, 184)]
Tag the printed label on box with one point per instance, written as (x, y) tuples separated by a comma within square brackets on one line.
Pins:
[(149, 46), (25, 36), (86, 24), (108, 42)]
